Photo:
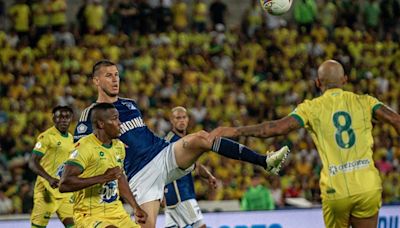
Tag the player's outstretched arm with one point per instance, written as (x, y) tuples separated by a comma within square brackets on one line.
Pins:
[(262, 130), (71, 182), (124, 190), (34, 165), (388, 115)]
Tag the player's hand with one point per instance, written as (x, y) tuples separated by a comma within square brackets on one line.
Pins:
[(228, 132), (53, 182), (112, 174), (140, 215), (212, 182), (163, 204)]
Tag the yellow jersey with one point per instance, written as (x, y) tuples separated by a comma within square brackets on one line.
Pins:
[(94, 158), (340, 124), (55, 148)]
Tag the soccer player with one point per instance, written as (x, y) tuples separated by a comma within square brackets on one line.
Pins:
[(151, 162), (94, 171), (52, 149), (182, 209), (340, 124)]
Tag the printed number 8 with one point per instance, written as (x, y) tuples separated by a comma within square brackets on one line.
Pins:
[(343, 128)]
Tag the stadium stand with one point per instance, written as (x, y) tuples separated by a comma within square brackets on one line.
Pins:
[(224, 74)]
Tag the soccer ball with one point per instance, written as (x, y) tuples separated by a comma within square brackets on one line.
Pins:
[(276, 7)]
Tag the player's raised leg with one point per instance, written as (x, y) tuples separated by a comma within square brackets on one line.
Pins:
[(189, 148)]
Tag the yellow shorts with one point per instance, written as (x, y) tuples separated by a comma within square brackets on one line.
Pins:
[(118, 219), (45, 206), (337, 212)]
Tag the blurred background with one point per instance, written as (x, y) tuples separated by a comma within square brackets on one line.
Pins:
[(227, 62)]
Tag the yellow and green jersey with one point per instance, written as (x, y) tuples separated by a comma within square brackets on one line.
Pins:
[(55, 148), (94, 158), (340, 124)]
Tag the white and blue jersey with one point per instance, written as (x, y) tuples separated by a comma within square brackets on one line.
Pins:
[(141, 144), (181, 189)]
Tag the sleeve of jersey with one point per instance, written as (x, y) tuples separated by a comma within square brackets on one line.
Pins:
[(374, 104), (82, 129), (301, 113), (41, 146), (80, 158)]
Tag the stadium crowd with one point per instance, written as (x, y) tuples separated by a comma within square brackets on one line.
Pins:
[(184, 54)]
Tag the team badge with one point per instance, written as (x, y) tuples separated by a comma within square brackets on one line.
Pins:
[(82, 128)]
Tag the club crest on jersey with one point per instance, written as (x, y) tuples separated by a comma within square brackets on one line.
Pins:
[(82, 128), (129, 105), (109, 193)]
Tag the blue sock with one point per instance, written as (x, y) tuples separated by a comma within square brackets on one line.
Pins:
[(237, 151)]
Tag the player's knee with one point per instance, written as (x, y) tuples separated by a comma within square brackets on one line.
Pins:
[(201, 139)]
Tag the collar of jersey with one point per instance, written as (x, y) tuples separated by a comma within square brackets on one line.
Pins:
[(63, 135), (333, 90), (101, 143)]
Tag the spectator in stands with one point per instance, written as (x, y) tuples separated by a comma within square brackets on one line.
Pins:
[(371, 14), (199, 16), (40, 18), (257, 197), (57, 10), (389, 14), (305, 14), (162, 16), (129, 15), (218, 10), (95, 16), (179, 10), (19, 15)]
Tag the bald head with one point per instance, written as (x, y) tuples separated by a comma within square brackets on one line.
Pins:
[(331, 75)]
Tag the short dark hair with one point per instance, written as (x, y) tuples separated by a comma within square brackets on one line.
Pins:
[(101, 63), (98, 110), (62, 108)]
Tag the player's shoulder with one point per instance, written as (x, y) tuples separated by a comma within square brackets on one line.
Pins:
[(127, 102), (47, 133), (118, 143), (85, 141), (85, 116)]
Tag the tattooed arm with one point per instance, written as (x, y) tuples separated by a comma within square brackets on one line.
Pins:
[(387, 115), (262, 130)]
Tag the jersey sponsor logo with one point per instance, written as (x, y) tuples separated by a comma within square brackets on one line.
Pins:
[(82, 128), (348, 166), (132, 124), (38, 145), (129, 105), (74, 154), (109, 193)]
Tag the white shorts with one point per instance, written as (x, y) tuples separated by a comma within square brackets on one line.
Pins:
[(184, 214), (148, 184)]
